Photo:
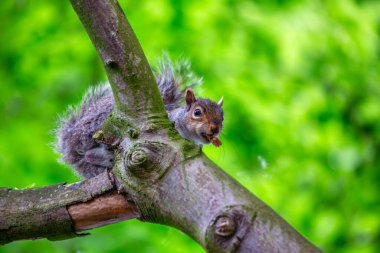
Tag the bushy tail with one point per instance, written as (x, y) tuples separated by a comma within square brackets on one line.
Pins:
[(76, 127), (172, 80)]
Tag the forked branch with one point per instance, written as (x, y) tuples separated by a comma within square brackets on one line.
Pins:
[(169, 179)]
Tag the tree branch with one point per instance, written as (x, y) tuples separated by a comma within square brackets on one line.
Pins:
[(59, 211), (134, 87)]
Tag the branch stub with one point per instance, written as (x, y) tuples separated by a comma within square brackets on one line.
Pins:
[(228, 229), (137, 161), (225, 226)]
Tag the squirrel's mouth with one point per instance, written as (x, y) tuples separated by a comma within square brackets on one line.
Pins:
[(211, 138), (207, 137)]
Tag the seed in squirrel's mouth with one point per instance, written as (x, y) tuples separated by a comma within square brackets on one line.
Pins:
[(212, 139), (216, 142)]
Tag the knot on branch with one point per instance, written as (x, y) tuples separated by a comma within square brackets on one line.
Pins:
[(148, 160), (111, 64), (225, 226), (136, 159), (227, 230)]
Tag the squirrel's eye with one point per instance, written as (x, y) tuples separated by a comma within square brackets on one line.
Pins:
[(197, 112)]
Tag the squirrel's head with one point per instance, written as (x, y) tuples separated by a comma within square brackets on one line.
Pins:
[(204, 118)]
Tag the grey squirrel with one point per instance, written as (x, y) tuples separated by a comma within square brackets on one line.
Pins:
[(197, 119)]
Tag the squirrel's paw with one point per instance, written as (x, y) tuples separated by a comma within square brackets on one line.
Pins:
[(100, 156)]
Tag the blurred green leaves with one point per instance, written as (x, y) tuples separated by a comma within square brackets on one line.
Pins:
[(301, 86)]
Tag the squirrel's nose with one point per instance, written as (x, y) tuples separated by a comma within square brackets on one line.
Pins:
[(214, 129)]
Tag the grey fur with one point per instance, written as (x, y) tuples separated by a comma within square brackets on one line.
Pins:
[(75, 129)]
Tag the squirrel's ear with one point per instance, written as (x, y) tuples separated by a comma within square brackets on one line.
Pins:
[(220, 103), (189, 97)]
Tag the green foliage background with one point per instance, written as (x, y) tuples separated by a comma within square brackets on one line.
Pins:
[(301, 86)]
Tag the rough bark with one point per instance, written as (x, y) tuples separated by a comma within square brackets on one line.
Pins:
[(168, 178)]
